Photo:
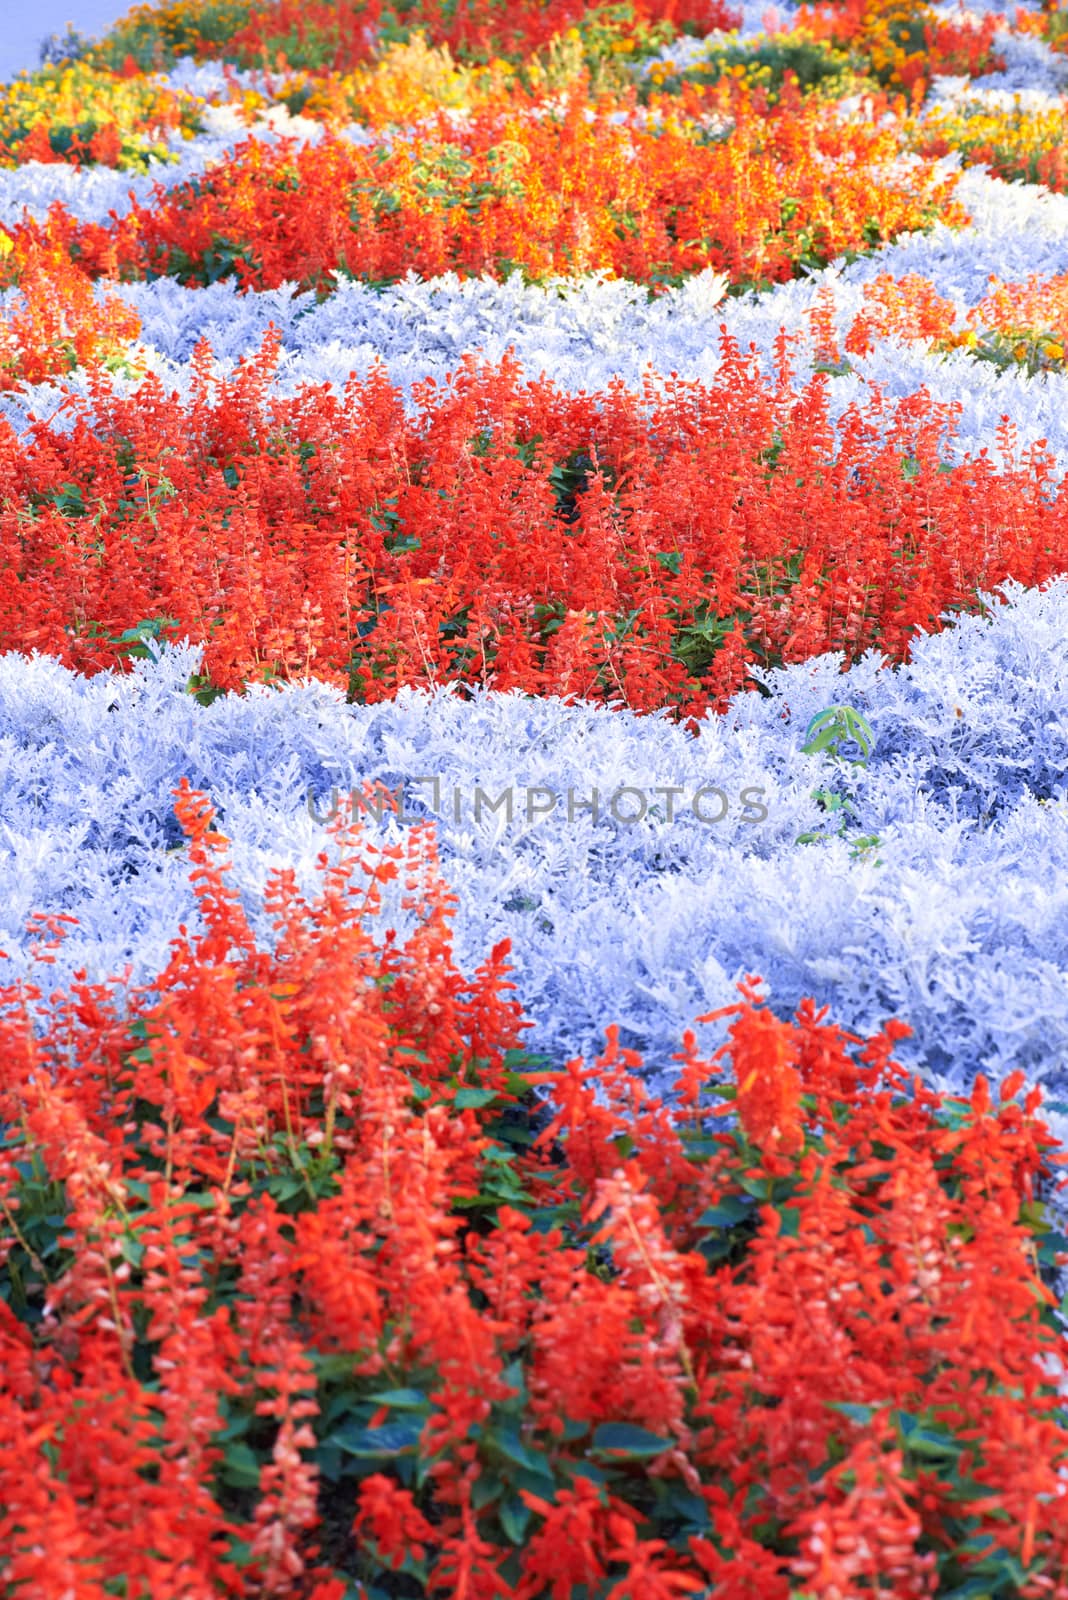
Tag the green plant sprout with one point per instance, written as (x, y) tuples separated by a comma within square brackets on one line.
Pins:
[(828, 733)]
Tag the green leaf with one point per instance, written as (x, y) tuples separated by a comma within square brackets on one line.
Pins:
[(332, 1366), (837, 725), (132, 1250), (485, 1490), (674, 1500), (393, 1439), (624, 1438), (541, 1482), (932, 1443), (503, 1440), (284, 1187), (515, 1377), (470, 1098), (327, 1459), (999, 1572), (731, 1210), (238, 1424), (401, 1399), (855, 1413), (1033, 1215), (514, 1518), (240, 1467), (348, 1403)]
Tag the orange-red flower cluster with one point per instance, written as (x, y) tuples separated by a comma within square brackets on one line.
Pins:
[(81, 114), (1012, 142), (1026, 322), (57, 322), (711, 179), (904, 43), (299, 1290), (643, 548)]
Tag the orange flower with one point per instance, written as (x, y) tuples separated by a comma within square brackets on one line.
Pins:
[(768, 1102)]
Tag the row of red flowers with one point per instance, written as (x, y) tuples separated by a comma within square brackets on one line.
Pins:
[(297, 1290), (721, 181), (642, 547)]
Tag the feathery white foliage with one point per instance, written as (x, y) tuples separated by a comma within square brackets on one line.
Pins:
[(1030, 64), (958, 922)]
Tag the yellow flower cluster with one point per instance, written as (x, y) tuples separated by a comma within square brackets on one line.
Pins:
[(1015, 143), (1023, 347), (408, 82), (1022, 324), (901, 43), (78, 112), (892, 37), (766, 61)]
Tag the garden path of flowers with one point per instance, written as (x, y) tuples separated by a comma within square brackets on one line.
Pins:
[(534, 805)]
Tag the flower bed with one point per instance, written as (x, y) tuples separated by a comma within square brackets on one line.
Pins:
[(533, 588), (289, 1262)]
